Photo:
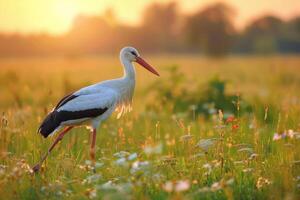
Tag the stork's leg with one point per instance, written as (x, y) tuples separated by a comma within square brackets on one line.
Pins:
[(93, 143), (59, 137)]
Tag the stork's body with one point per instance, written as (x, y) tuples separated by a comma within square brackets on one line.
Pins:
[(91, 105)]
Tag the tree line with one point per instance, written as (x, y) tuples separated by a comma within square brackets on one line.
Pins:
[(208, 31)]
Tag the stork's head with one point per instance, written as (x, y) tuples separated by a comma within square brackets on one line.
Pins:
[(132, 55)]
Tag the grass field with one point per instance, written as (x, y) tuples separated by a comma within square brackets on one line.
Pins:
[(172, 145)]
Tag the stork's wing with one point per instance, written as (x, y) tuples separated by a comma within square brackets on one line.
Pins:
[(78, 107), (80, 102), (64, 100)]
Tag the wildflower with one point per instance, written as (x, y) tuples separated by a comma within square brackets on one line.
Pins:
[(4, 121), (297, 178), (276, 137), (198, 155), (221, 116), (216, 186), (168, 186), (153, 149), (205, 144), (92, 178), (229, 181), (98, 165), (247, 170), (121, 162), (168, 160), (171, 142), (109, 185), (286, 134), (179, 186), (208, 168), (290, 133), (204, 189), (139, 166), (261, 182), (91, 193), (182, 186), (88, 162), (253, 156), (132, 156), (186, 138), (220, 126), (193, 107), (234, 126), (240, 162), (121, 154), (230, 119)]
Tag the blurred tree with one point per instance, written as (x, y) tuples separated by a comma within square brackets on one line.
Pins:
[(262, 35), (158, 30), (269, 34), (211, 29), (290, 39), (162, 30), (91, 35)]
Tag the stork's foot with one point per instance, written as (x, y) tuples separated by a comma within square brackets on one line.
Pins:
[(36, 168)]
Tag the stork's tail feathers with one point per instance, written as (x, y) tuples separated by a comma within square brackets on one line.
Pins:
[(49, 125)]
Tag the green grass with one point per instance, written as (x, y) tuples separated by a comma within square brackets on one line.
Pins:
[(149, 152)]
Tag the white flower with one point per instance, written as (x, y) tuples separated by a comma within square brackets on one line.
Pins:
[(182, 186), (132, 156), (106, 186), (252, 156), (286, 134), (98, 165), (92, 194), (92, 178), (276, 137), (215, 186), (121, 154), (168, 186), (137, 166), (121, 162), (179, 186), (248, 170), (186, 137), (205, 144), (153, 149)]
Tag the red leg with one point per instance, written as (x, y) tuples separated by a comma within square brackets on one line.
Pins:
[(93, 143), (59, 137)]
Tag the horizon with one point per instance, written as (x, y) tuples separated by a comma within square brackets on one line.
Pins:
[(28, 16)]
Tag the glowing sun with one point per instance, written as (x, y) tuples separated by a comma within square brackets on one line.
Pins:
[(67, 10)]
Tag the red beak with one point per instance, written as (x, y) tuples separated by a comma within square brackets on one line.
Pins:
[(142, 62)]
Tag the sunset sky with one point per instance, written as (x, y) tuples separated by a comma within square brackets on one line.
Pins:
[(56, 16)]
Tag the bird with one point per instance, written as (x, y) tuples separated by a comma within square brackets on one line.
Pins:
[(91, 105)]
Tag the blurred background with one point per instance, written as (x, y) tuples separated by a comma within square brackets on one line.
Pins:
[(208, 27), (240, 57)]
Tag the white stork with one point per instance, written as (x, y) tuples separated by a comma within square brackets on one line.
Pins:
[(92, 104)]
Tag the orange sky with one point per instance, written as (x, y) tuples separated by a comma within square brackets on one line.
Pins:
[(55, 16)]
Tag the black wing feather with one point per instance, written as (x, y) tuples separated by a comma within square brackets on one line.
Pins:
[(55, 118), (64, 100)]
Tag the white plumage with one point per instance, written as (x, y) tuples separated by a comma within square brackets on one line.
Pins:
[(93, 104)]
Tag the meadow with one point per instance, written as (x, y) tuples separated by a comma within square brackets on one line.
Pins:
[(205, 129)]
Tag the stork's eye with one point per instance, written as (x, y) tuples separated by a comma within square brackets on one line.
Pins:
[(133, 53)]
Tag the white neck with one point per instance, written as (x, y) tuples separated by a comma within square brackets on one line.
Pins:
[(129, 71)]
